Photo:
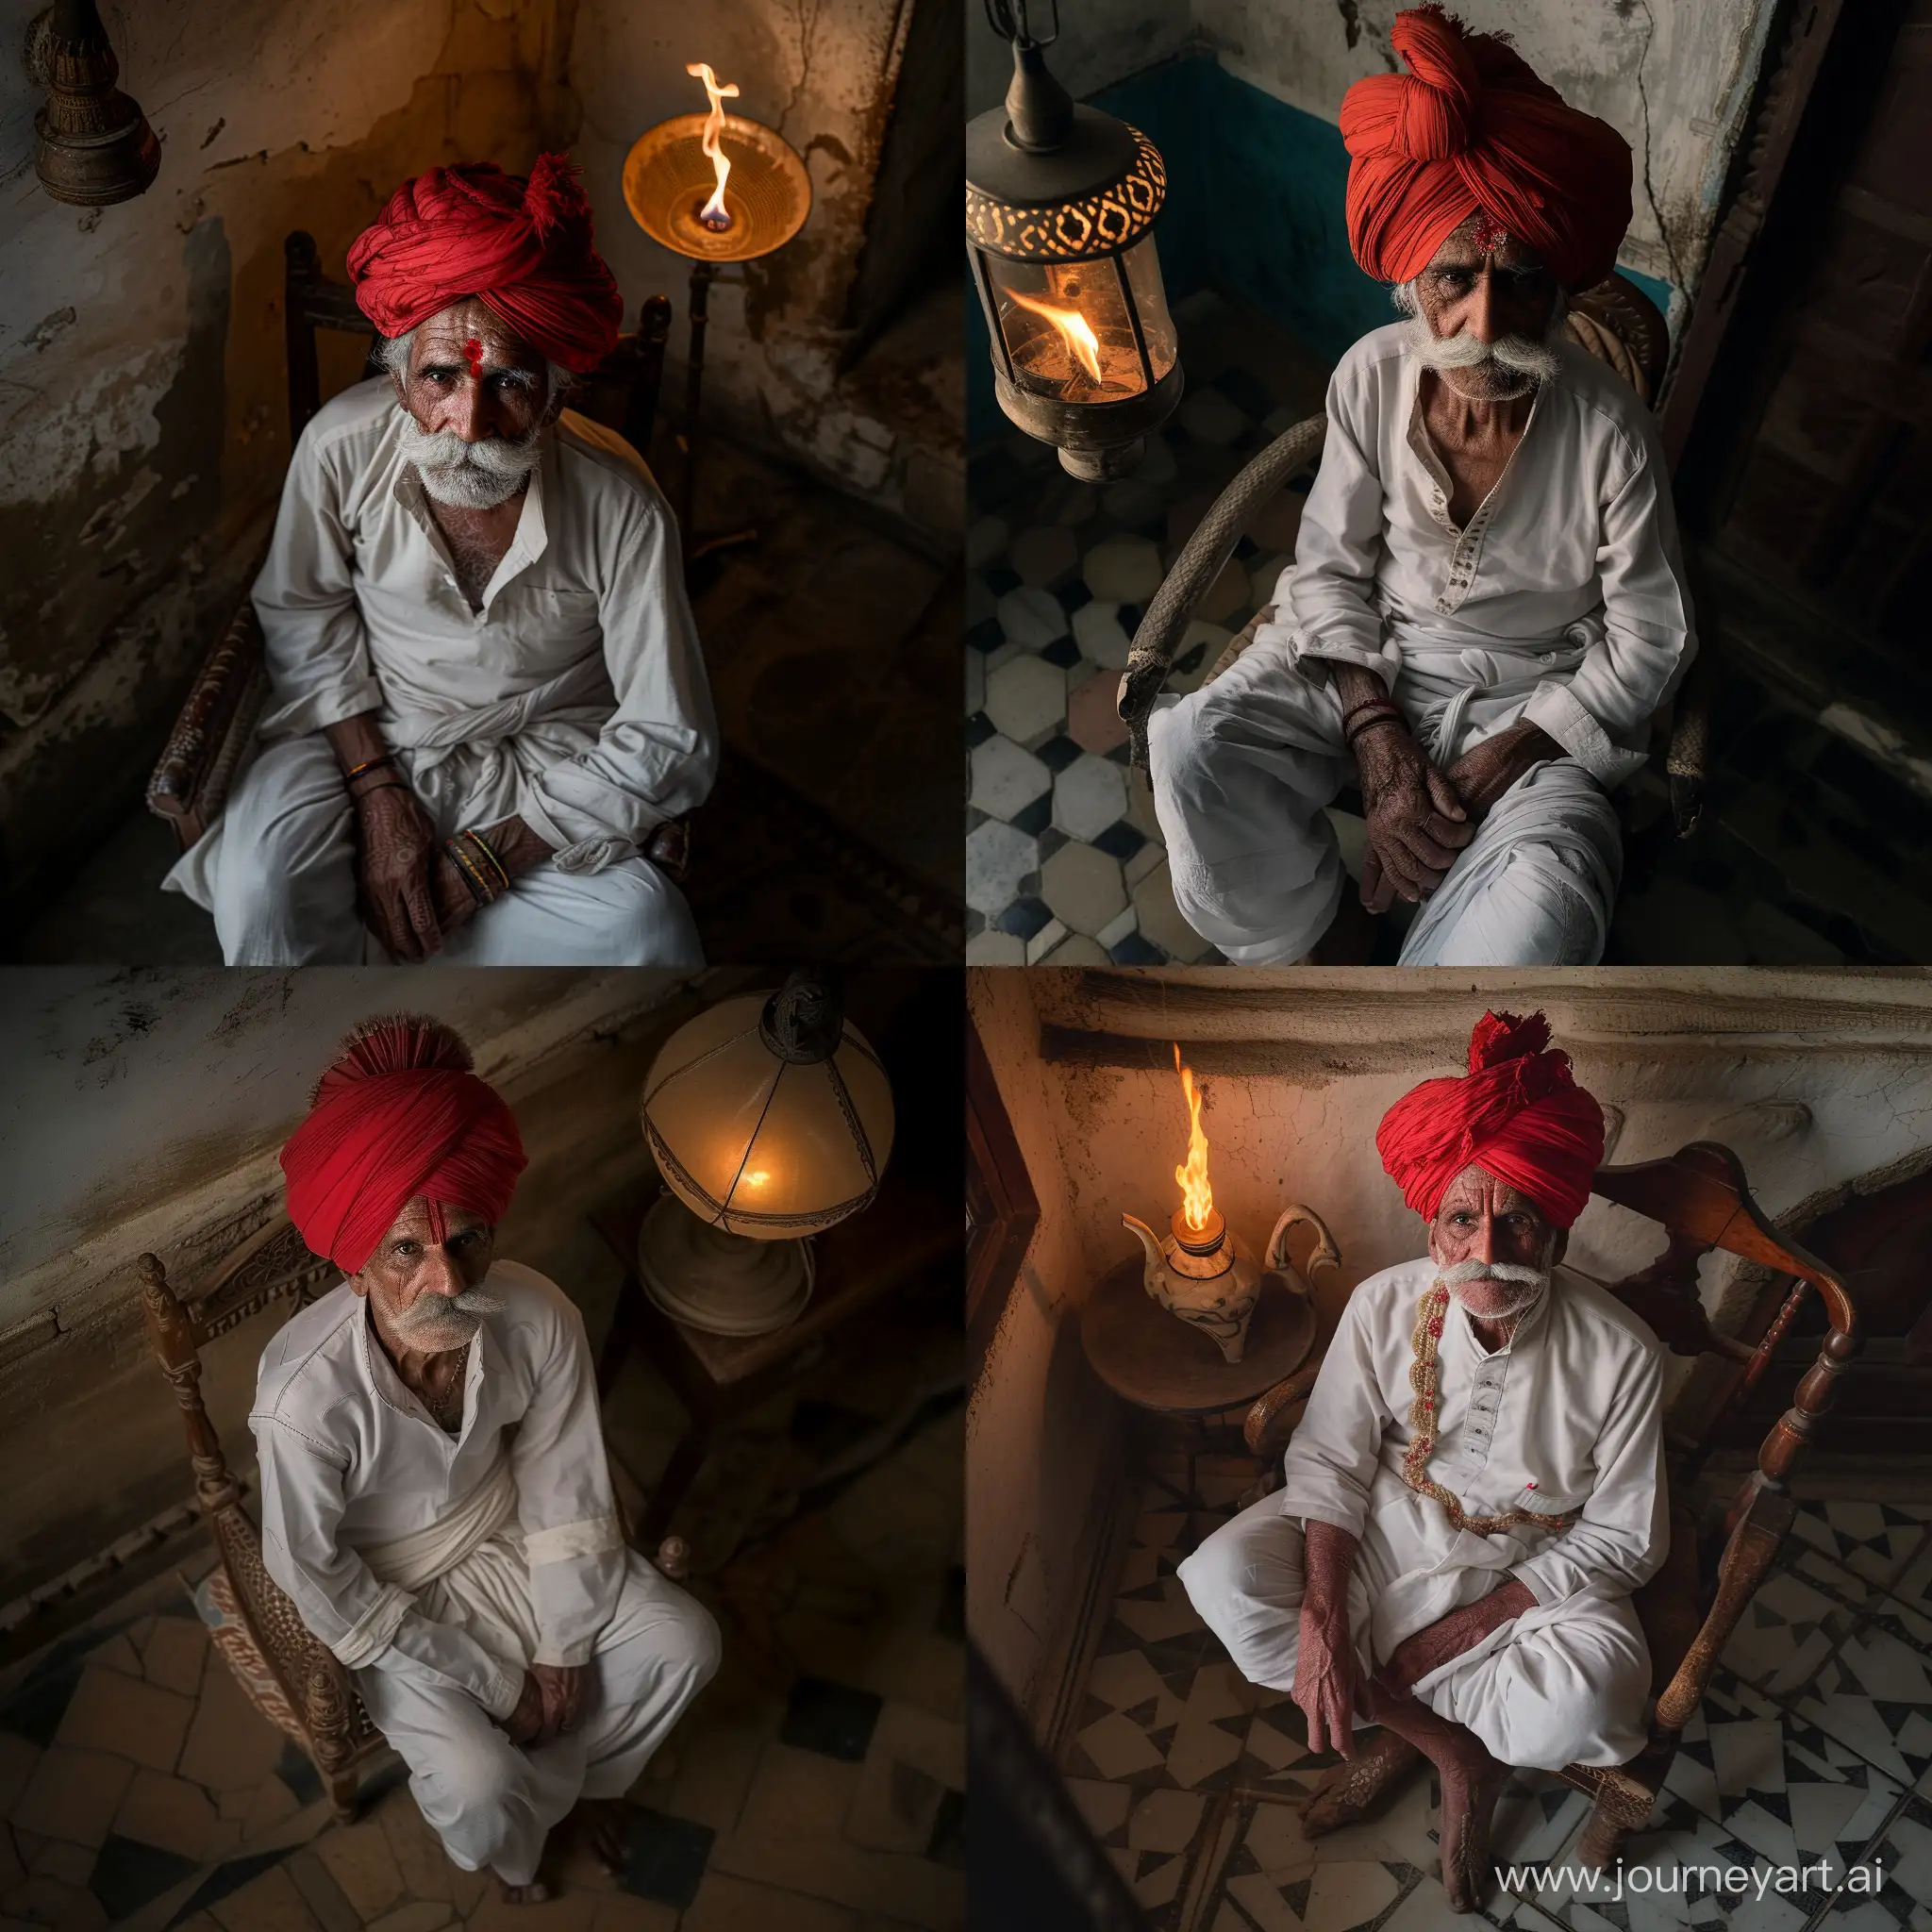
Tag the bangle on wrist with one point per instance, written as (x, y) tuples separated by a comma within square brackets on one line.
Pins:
[(494, 863), (1383, 703), (472, 875), (387, 757), (1349, 737)]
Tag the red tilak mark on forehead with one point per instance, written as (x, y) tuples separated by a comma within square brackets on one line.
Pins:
[(474, 350), (438, 1227)]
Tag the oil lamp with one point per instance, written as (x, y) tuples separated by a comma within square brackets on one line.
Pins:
[(1060, 202), (1203, 1273), (716, 189), (770, 1118)]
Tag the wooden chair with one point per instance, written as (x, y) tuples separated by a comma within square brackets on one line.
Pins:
[(288, 1674), (1690, 1609), (1617, 322), (215, 725)]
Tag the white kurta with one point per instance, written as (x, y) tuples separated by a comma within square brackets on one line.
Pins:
[(1561, 602), (438, 1567), (576, 698), (1566, 1420)]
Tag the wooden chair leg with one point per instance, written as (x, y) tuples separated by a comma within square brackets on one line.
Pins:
[(1603, 1836), (341, 1796)]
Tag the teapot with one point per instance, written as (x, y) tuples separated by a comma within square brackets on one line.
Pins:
[(1208, 1278)]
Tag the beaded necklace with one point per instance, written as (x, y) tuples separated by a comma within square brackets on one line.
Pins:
[(1423, 1378)]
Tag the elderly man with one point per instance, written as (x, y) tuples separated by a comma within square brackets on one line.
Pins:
[(1487, 603), (485, 686), (434, 1497), (1476, 1489)]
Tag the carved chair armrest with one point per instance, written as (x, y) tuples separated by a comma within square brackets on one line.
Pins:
[(190, 784), (1201, 559)]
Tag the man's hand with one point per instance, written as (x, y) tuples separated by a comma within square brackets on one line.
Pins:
[(562, 1686), (1325, 1670), (394, 844), (524, 1726), (1449, 1637), (518, 849), (1417, 824), (1486, 771)]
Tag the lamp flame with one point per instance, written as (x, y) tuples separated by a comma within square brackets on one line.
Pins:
[(713, 213), (1083, 346), (1197, 1196)]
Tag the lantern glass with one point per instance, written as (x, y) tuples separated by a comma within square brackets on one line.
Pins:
[(1069, 329)]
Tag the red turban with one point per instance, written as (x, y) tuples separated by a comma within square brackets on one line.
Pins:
[(522, 248), (399, 1114), (1470, 128), (1518, 1115)]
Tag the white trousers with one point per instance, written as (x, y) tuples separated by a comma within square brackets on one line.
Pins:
[(493, 1804), (1242, 770), (1564, 1686), (277, 872)]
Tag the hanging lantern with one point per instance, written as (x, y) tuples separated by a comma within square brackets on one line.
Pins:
[(1061, 204)]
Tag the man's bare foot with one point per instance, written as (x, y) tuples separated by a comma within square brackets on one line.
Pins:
[(1351, 1789), (1469, 1790), (534, 1893)]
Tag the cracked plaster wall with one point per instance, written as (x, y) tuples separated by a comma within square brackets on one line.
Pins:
[(144, 1112), (821, 73), (1043, 1438), (143, 392)]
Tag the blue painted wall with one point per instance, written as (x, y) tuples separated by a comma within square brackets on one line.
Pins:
[(1254, 194)]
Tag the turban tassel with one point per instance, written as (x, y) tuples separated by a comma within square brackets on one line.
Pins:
[(522, 248), (1518, 1115), (1471, 130), (399, 1114)]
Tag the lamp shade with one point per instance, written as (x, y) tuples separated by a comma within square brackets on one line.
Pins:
[(769, 1116)]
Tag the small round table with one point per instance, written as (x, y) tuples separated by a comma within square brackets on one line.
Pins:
[(1158, 1363)]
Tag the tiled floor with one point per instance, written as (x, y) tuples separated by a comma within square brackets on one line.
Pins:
[(1810, 852), (1813, 1752), (1064, 862), (817, 1785)]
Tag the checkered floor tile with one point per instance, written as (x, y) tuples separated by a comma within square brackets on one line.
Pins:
[(1800, 1795), (1064, 862)]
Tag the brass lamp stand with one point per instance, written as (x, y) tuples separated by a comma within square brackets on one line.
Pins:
[(669, 180)]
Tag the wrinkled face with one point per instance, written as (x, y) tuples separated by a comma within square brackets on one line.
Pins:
[(424, 1279), (1487, 310), (477, 398), (1494, 1248)]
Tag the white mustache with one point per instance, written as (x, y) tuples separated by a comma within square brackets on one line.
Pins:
[(470, 475), (1518, 354), (1511, 1271), (459, 1313)]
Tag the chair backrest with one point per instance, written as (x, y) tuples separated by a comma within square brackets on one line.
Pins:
[(621, 394), (1620, 325), (1700, 1195), (271, 1263)]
